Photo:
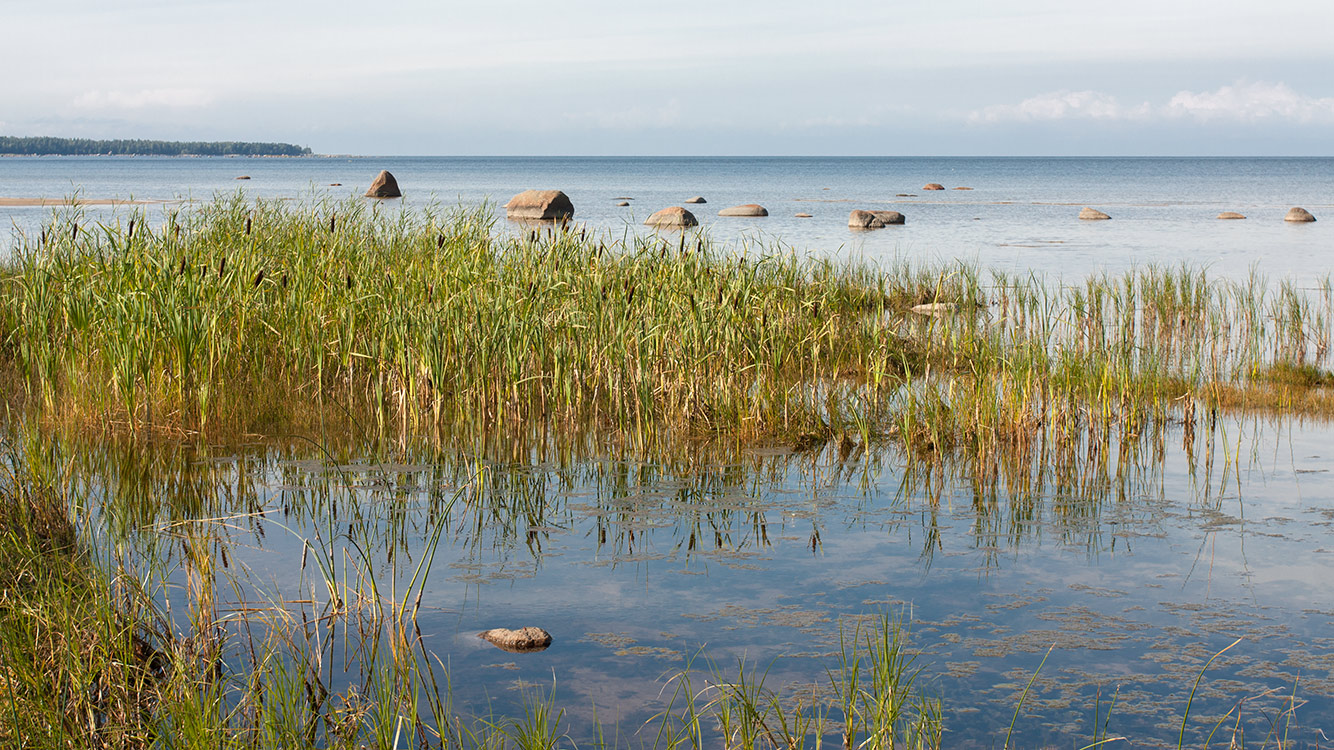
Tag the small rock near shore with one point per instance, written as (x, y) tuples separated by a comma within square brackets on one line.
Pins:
[(384, 186), (521, 641), (1230, 215), (963, 188), (1092, 214), (933, 186), (1297, 213), (244, 177), (674, 217), (802, 216), (623, 203), (889, 217), (696, 199), (749, 209), (860, 219), (540, 205)]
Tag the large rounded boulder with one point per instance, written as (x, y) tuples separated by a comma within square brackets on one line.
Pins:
[(933, 186), (520, 641), (1298, 214), (539, 205), (384, 186), (674, 217), (1092, 214), (889, 217)]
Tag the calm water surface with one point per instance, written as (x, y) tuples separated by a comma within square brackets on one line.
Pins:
[(1136, 565), (1019, 216)]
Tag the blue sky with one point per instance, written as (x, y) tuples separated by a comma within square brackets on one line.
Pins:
[(522, 77)]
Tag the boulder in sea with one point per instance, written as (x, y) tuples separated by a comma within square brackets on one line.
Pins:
[(384, 186), (962, 188), (1092, 214), (860, 219), (933, 186), (674, 217), (244, 177), (622, 198), (1299, 214), (521, 641), (934, 309), (802, 216), (539, 205), (749, 209), (1230, 215), (623, 203), (889, 217), (696, 199), (335, 184)]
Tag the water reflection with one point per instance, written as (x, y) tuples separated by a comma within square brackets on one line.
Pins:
[(1137, 555)]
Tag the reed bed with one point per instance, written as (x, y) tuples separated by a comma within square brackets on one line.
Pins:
[(271, 317), (232, 314)]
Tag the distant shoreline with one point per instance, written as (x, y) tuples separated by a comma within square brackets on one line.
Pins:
[(56, 146)]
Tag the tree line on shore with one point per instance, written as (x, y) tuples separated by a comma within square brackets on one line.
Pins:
[(48, 145)]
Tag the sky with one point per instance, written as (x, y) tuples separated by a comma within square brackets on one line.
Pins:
[(520, 77)]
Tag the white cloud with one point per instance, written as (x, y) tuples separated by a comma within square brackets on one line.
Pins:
[(1061, 105), (1249, 102), (1240, 102), (144, 99)]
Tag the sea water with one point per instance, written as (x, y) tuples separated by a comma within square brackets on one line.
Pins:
[(1019, 216)]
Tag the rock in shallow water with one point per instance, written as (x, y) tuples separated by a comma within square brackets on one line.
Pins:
[(749, 209), (539, 205), (674, 217), (1092, 214), (696, 199), (521, 641), (860, 219), (1297, 213), (384, 186), (933, 186), (1230, 215), (889, 217)]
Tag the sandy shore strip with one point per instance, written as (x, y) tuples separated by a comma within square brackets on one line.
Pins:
[(22, 202)]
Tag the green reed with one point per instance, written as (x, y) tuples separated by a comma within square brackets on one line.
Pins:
[(231, 313)]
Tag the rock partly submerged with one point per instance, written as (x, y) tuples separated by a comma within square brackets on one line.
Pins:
[(540, 205), (933, 186), (889, 217), (860, 219), (1092, 214), (1231, 215), (696, 199), (623, 203), (749, 209), (384, 186), (673, 217), (802, 216), (521, 641), (1298, 214)]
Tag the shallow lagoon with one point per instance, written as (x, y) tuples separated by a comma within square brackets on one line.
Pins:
[(1137, 566)]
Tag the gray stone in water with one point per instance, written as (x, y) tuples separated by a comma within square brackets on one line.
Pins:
[(540, 205), (521, 641), (1230, 215), (933, 186), (244, 177), (1298, 214), (1092, 214), (623, 203), (889, 217), (696, 199), (802, 216), (860, 219), (749, 209), (674, 217), (384, 186)]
